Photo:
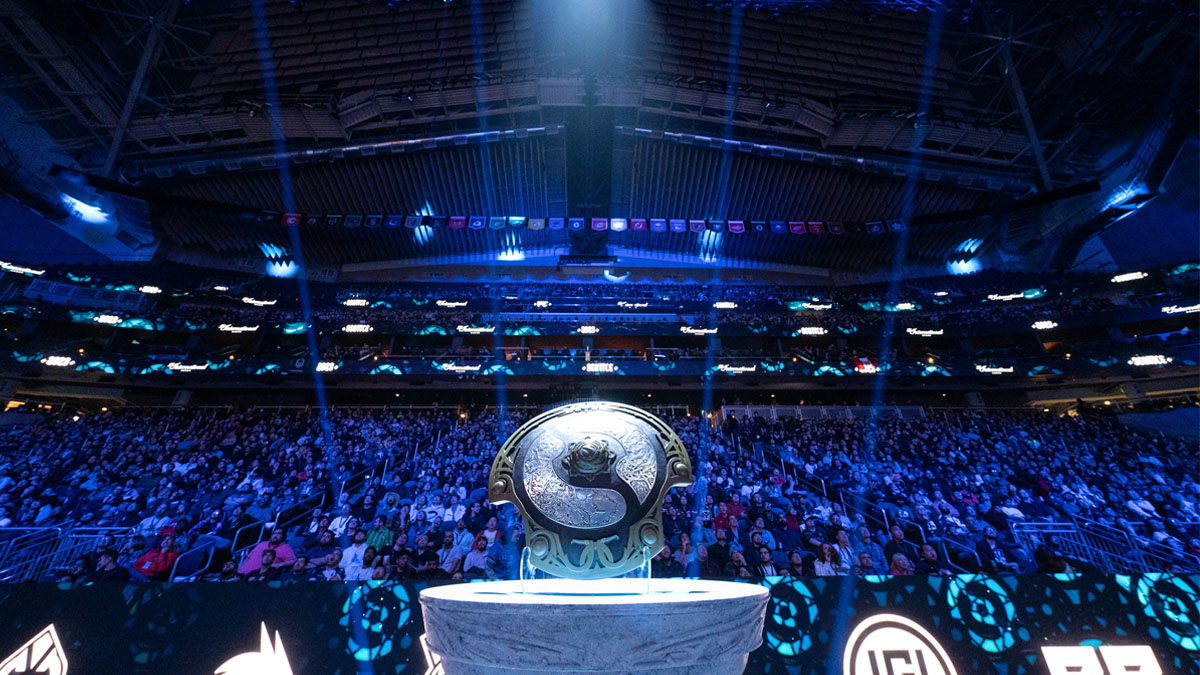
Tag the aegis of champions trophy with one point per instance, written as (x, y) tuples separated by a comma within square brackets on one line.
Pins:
[(589, 480)]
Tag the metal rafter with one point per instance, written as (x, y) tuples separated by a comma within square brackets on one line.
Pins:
[(150, 54)]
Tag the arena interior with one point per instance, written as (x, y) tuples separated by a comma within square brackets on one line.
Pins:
[(915, 282)]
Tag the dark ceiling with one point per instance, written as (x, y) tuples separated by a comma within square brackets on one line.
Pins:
[(662, 108)]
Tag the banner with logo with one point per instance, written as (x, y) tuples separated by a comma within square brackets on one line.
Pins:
[(677, 225), (937, 625)]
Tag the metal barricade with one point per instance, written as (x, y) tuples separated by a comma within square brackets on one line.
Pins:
[(29, 554)]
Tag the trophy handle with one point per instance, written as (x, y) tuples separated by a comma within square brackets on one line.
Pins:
[(643, 571), (528, 571)]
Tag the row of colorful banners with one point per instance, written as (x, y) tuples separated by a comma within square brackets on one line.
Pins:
[(676, 225)]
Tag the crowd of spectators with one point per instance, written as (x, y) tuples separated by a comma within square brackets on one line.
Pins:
[(400, 494)]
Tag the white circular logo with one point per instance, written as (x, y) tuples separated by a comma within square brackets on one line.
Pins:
[(888, 644)]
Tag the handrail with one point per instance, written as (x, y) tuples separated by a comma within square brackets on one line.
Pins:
[(208, 546), (352, 478), (8, 544), (22, 563), (948, 541), (301, 508), (234, 550), (848, 508), (920, 530), (80, 540), (1107, 552)]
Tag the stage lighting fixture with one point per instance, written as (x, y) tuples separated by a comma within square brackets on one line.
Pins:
[(88, 213), (964, 267), (1131, 276), (1150, 360), (18, 269)]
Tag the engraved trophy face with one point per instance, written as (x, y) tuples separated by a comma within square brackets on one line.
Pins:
[(589, 479)]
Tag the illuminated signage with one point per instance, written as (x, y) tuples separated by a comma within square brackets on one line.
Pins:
[(455, 368), (735, 370), (811, 330), (890, 643), (1130, 276), (925, 332), (993, 370), (258, 303), (589, 330), (1044, 325), (475, 330), (107, 319), (327, 366), (1176, 309), (17, 269), (58, 361), (451, 303), (1006, 298), (599, 367), (725, 304), (903, 306), (43, 655), (186, 367), (270, 659), (542, 304), (150, 290), (691, 330), (816, 306), (355, 302), (230, 328), (1150, 360), (632, 305), (357, 328), (1085, 660)]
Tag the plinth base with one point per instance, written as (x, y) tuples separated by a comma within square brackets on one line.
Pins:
[(604, 626)]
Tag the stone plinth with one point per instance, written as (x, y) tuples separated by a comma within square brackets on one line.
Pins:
[(601, 626)]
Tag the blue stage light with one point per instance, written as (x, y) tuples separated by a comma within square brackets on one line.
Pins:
[(422, 233), (961, 267), (282, 270), (970, 245), (84, 211)]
